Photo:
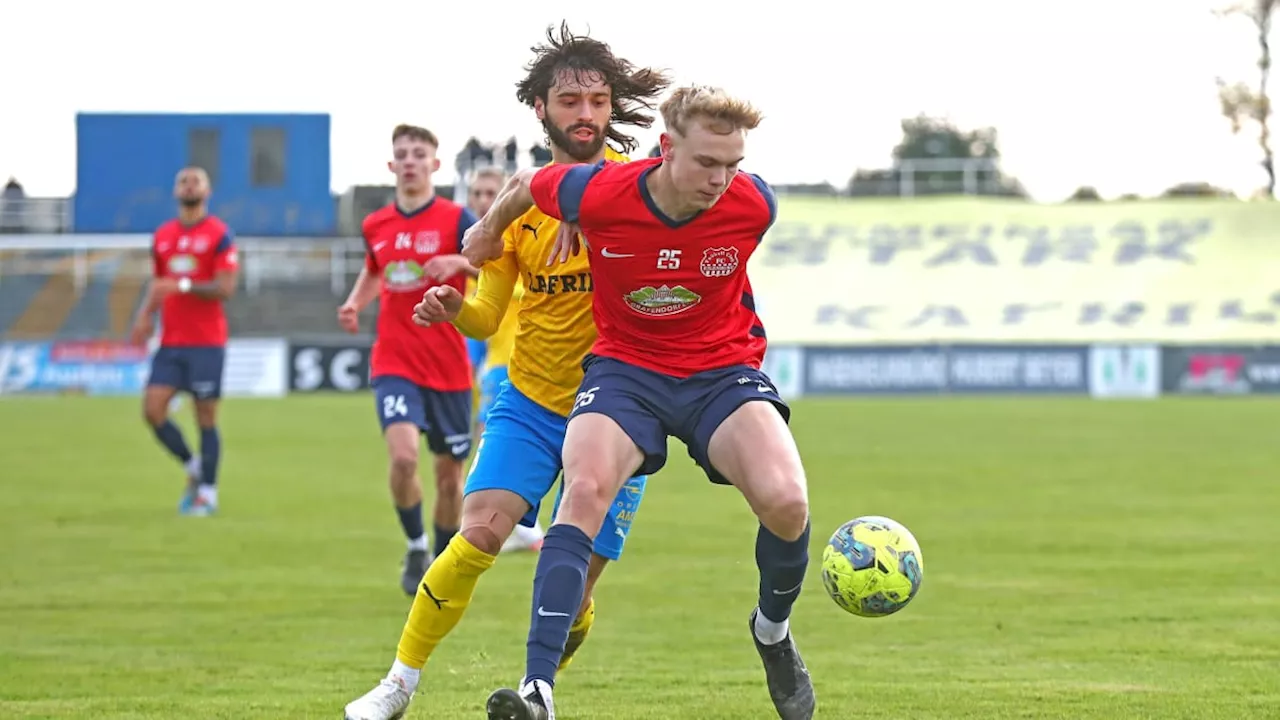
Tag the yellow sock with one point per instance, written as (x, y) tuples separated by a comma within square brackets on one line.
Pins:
[(578, 632), (442, 598)]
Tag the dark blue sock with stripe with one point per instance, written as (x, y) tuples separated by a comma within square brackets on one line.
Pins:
[(782, 566), (171, 437), (558, 586), (210, 454)]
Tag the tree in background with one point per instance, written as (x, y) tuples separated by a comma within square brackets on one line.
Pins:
[(1085, 193), (931, 156), (1242, 103)]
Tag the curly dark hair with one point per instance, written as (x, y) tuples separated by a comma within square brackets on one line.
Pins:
[(634, 89)]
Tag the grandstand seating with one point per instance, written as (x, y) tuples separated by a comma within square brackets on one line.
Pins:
[(39, 299)]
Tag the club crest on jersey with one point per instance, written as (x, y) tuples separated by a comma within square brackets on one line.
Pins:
[(427, 242), (404, 276), (719, 262), (661, 301)]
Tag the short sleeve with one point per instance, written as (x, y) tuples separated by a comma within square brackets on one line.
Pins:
[(226, 257), (770, 200), (558, 189), (465, 221), (370, 260)]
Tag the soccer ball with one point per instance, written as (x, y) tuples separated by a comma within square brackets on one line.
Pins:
[(872, 566)]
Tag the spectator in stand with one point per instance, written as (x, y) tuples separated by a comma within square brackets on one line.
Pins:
[(12, 215)]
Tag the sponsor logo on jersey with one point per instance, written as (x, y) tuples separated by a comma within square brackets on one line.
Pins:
[(404, 276), (661, 301), (719, 262), (182, 264)]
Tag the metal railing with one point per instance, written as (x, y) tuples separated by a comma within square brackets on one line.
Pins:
[(35, 215), (264, 261)]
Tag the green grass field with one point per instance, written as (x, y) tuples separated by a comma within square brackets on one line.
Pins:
[(1083, 559)]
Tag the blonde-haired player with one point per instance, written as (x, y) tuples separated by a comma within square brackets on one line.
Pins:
[(678, 354)]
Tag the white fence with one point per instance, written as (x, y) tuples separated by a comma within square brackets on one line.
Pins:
[(263, 259)]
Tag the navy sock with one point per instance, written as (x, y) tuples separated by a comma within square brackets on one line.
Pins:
[(411, 521), (210, 452), (558, 587), (171, 437), (443, 536), (782, 565)]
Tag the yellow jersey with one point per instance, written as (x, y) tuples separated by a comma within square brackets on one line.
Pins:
[(554, 327)]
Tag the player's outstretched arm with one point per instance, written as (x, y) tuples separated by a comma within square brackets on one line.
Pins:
[(480, 315), (483, 241)]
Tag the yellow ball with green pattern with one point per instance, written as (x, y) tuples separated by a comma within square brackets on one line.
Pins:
[(872, 566)]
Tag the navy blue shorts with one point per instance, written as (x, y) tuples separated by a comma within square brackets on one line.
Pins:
[(650, 406), (197, 370), (444, 417)]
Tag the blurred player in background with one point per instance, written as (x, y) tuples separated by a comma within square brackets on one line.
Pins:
[(582, 94), (679, 354), (421, 377), (484, 187), (495, 351), (195, 271)]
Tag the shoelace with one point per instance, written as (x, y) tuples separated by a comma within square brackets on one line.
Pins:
[(388, 700)]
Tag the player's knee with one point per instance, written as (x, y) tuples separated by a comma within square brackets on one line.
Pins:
[(484, 537), (404, 463), (588, 492), (154, 414), (449, 488), (448, 475), (785, 510), (207, 413)]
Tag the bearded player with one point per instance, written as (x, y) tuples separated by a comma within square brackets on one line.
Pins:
[(421, 377), (196, 267), (679, 354), (582, 94)]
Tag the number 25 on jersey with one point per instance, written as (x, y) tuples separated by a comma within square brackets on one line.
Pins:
[(668, 259)]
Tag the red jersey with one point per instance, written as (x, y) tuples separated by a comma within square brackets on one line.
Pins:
[(670, 296), (199, 252), (399, 245)]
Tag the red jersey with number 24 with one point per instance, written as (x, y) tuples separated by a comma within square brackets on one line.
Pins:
[(670, 296), (199, 252), (399, 245)]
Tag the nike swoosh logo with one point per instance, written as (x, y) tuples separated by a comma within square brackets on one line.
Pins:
[(379, 246), (460, 448), (764, 388), (605, 252), (788, 592), (542, 612)]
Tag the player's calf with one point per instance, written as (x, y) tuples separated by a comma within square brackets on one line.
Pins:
[(598, 459), (448, 502)]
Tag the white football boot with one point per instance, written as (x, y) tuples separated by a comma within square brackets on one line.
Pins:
[(388, 701)]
